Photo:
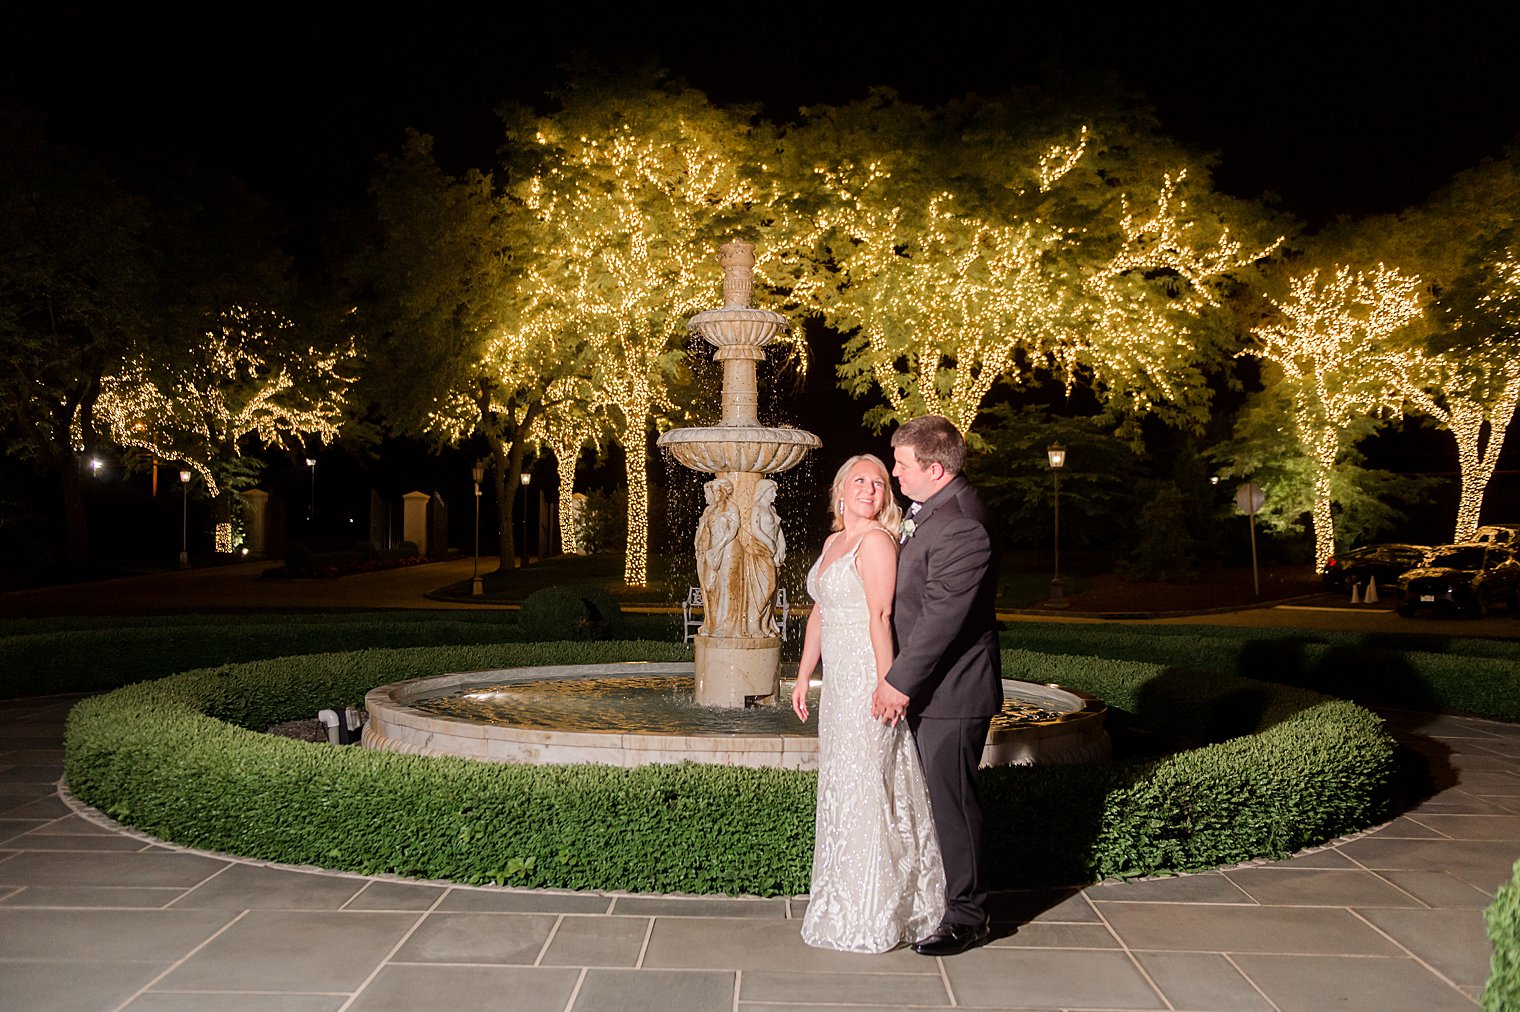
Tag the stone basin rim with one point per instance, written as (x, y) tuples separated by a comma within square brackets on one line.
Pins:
[(396, 726)]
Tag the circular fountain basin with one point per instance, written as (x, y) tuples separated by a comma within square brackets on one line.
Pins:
[(633, 713), (755, 448)]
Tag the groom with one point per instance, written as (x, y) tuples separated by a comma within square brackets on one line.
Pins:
[(946, 679)]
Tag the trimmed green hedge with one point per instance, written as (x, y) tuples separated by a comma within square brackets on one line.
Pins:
[(1283, 769), (176, 758), (1503, 916), (47, 656), (1414, 671)]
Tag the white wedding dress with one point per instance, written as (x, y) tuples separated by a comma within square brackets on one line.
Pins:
[(878, 880)]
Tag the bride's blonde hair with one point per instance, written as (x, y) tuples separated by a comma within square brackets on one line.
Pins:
[(890, 514)]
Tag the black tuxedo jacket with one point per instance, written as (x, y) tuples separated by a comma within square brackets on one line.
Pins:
[(943, 615)]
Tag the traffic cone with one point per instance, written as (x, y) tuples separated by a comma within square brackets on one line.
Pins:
[(1356, 592), (1371, 597)]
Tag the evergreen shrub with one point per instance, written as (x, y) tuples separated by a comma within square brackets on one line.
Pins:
[(570, 613), (1412, 671), (179, 757), (1503, 917)]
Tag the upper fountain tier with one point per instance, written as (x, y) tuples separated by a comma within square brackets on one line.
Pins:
[(739, 442)]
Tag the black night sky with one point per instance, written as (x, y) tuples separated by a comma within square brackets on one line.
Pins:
[(1335, 114), (1329, 114)]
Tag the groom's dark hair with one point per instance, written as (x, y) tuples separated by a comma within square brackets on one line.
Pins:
[(933, 440)]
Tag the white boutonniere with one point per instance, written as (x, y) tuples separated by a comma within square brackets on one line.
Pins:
[(908, 527)]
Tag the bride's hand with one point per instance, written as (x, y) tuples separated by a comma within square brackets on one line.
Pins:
[(799, 699)]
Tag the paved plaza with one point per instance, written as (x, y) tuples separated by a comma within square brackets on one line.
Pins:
[(95, 916)]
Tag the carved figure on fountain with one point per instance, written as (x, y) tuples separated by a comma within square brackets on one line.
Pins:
[(719, 556), (765, 551)]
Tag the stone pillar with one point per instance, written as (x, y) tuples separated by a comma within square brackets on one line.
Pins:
[(256, 522), (414, 519)]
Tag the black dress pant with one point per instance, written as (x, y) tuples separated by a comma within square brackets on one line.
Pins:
[(950, 749)]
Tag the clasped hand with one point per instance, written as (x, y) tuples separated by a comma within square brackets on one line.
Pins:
[(887, 704)]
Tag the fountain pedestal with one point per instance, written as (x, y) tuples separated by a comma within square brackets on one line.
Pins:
[(739, 544)]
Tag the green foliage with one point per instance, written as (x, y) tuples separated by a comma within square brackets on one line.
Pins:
[(570, 613), (69, 656), (1164, 549), (1013, 474), (1275, 769), (1365, 501), (1503, 917), (1411, 672), (1280, 769)]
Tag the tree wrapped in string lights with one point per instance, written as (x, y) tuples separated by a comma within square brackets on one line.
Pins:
[(465, 337), (974, 248), (1324, 346), (565, 432), (628, 186), (249, 375), (1466, 379)]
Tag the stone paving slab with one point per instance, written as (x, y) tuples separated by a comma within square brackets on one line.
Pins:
[(1391, 918)]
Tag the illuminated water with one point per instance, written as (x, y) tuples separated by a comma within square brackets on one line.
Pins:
[(658, 704)]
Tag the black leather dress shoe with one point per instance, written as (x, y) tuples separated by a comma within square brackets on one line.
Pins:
[(948, 939)]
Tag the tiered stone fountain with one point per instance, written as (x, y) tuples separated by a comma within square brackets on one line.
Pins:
[(739, 544), (634, 713)]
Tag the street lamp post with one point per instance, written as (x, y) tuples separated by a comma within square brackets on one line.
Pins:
[(184, 522), (527, 479), (1056, 453), (311, 506), (478, 472)]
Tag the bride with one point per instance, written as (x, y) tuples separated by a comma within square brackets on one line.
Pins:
[(878, 881)]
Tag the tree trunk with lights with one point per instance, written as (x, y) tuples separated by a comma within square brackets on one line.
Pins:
[(1477, 462)]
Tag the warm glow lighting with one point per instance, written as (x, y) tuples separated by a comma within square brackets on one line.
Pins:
[(184, 476), (1325, 345), (628, 204), (247, 376), (1468, 387), (946, 301), (1057, 455)]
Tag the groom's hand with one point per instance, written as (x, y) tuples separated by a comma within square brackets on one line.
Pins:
[(887, 704)]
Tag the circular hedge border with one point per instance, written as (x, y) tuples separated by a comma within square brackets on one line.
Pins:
[(181, 758)]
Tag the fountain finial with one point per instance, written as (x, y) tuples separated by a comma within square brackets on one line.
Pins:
[(737, 258)]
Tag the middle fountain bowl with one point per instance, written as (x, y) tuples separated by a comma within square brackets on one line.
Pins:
[(755, 448)]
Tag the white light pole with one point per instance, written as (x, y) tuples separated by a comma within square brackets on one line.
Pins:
[(184, 522), (1056, 453), (478, 472), (527, 479)]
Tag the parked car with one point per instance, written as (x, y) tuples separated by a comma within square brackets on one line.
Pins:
[(1498, 534), (1385, 563), (1468, 578)]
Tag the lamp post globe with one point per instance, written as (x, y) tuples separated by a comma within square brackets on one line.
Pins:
[(184, 522), (476, 588), (527, 479), (1055, 454)]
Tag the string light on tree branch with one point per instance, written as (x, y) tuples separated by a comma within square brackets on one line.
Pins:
[(1326, 345), (248, 376)]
